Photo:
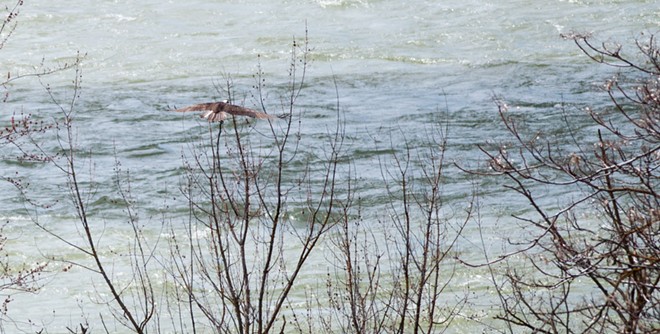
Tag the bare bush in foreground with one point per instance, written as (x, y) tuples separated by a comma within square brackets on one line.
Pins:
[(395, 273), (593, 264), (17, 130), (258, 210)]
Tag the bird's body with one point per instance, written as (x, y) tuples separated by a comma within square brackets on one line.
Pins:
[(218, 111)]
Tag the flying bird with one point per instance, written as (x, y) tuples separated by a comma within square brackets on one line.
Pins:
[(218, 111)]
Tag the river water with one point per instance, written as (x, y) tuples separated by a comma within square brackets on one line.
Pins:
[(397, 68)]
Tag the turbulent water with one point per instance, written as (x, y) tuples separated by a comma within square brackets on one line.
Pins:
[(396, 68)]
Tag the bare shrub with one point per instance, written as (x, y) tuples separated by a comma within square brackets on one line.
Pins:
[(395, 272), (131, 301), (258, 210), (589, 263), (16, 132)]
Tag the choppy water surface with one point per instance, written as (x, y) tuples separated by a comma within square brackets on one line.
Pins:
[(400, 68)]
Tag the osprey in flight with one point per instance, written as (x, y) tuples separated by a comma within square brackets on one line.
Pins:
[(218, 111)]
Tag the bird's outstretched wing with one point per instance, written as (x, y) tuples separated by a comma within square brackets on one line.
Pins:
[(199, 107), (242, 111)]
